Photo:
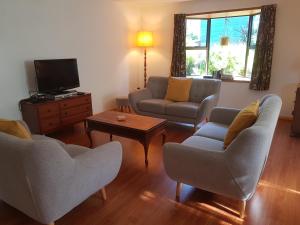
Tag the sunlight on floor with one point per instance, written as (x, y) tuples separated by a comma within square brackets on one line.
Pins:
[(227, 208), (147, 196), (217, 211), (195, 208), (277, 187)]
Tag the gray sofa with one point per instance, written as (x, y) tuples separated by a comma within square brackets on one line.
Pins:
[(45, 178), (202, 162), (150, 101)]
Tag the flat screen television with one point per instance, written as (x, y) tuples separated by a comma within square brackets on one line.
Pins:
[(56, 75)]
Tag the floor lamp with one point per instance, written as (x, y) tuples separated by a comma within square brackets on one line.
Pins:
[(145, 40)]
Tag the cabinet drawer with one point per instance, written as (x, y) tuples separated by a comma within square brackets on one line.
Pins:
[(48, 110), (75, 119), (76, 110), (75, 102), (50, 124)]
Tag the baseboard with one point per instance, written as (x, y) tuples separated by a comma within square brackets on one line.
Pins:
[(286, 118)]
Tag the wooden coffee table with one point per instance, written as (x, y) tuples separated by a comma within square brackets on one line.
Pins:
[(140, 128)]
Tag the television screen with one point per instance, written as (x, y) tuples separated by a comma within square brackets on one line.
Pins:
[(56, 75)]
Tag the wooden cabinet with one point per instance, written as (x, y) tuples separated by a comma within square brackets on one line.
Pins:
[(296, 114), (50, 116)]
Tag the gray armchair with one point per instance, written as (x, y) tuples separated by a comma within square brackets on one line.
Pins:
[(204, 95), (202, 162), (45, 178)]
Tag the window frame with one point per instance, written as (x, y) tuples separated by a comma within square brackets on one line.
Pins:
[(207, 47), (249, 44)]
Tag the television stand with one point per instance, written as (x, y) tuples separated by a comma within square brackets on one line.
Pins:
[(50, 116)]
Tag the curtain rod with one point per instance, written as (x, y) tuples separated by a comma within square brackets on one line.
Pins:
[(224, 11)]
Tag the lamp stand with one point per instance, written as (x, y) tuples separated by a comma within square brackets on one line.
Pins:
[(145, 67)]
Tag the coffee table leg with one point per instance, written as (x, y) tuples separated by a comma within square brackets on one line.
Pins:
[(85, 125), (110, 137), (163, 137), (146, 147), (89, 134)]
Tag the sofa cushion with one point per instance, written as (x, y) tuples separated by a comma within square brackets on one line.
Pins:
[(204, 143), (14, 128), (202, 88), (153, 105), (158, 86), (183, 109), (243, 120), (212, 130), (179, 89)]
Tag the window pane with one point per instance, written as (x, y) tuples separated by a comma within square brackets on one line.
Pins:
[(255, 26), (196, 33), (230, 58), (250, 62), (196, 62)]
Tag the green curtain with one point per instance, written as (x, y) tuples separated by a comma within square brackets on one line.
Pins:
[(261, 73), (178, 67)]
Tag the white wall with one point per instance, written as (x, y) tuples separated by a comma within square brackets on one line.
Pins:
[(286, 61), (100, 33), (95, 32)]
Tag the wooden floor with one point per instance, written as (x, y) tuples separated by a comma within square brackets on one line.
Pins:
[(145, 196)]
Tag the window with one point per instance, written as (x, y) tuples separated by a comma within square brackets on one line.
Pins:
[(204, 53), (196, 47)]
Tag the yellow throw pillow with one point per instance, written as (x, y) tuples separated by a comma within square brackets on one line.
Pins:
[(243, 120), (179, 89), (14, 128)]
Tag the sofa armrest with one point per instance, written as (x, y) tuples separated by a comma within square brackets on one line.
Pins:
[(137, 96), (206, 106), (105, 160), (194, 166), (223, 115)]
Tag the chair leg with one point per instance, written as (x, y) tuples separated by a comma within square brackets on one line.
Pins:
[(243, 209), (103, 192), (195, 127), (178, 190)]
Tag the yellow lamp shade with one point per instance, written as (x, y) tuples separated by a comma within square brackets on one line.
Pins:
[(144, 39)]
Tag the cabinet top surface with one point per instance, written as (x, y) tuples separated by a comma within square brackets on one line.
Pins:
[(27, 101)]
